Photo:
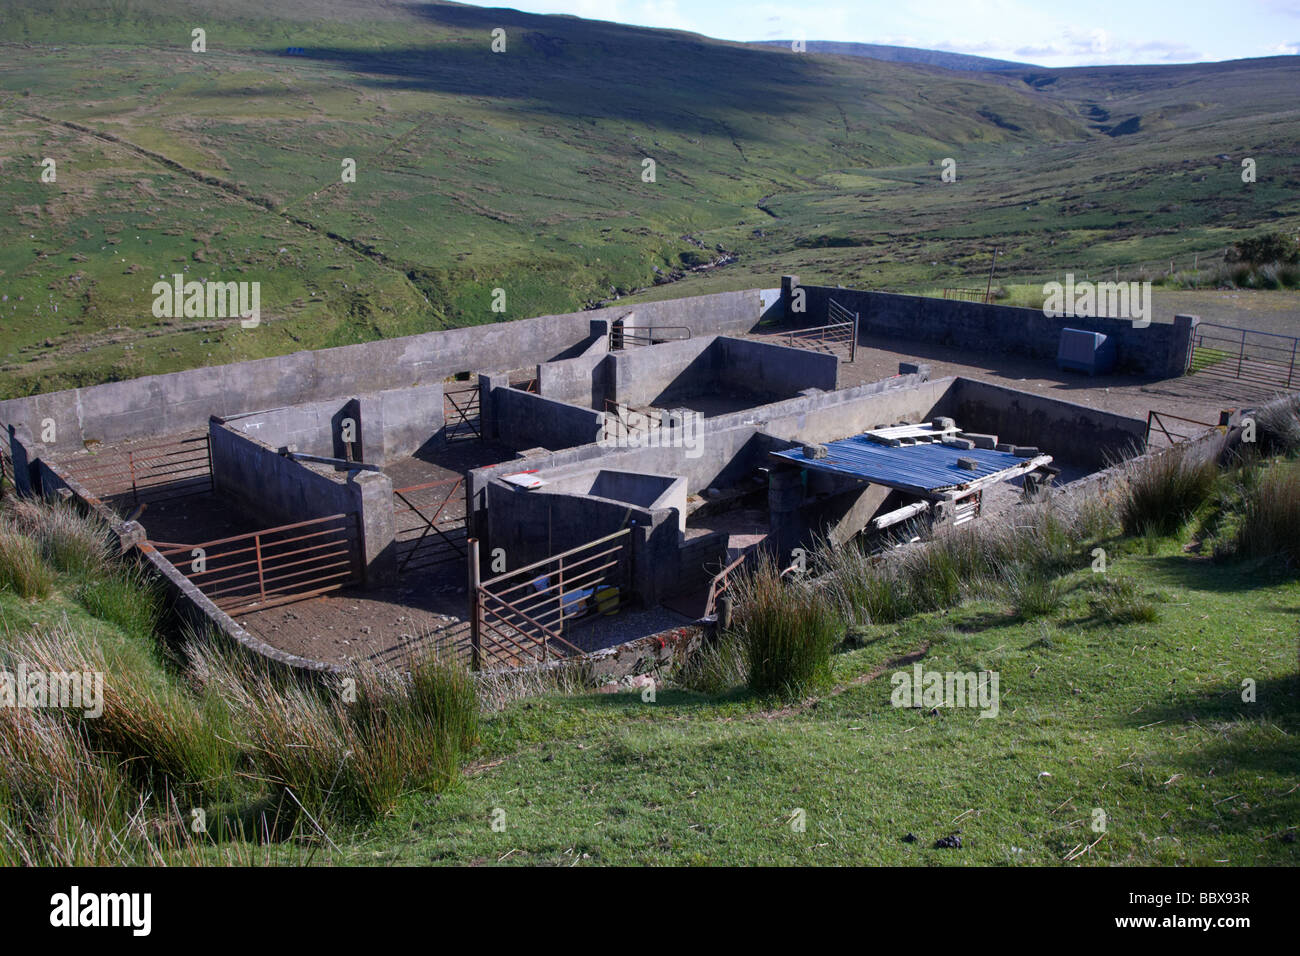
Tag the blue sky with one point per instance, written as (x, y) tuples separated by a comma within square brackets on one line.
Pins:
[(1047, 32)]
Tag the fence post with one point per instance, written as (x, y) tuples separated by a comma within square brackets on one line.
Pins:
[(475, 661), (130, 464), (853, 351), (1291, 368), (261, 578), (1242, 356)]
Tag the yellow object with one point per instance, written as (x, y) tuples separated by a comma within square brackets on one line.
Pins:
[(607, 600)]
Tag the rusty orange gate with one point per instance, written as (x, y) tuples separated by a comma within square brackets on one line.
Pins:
[(137, 474), (430, 524), (461, 413), (521, 617), (274, 566)]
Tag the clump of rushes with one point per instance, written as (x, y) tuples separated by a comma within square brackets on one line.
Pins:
[(1161, 492), (788, 630)]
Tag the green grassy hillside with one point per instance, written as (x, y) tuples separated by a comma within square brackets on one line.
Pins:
[(522, 171)]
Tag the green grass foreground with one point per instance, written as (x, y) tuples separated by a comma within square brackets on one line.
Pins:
[(1147, 716)]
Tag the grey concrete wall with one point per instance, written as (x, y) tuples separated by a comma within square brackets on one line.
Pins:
[(746, 366), (653, 374), (673, 371), (279, 490), (1074, 434), (1160, 350), (524, 420), (398, 422), (578, 381), (183, 401), (313, 428), (532, 525)]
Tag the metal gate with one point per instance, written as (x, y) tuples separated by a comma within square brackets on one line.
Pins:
[(135, 474), (460, 411), (521, 617), (1226, 351), (430, 524), (274, 566)]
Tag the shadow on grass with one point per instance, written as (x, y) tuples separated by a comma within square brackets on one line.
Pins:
[(1229, 576), (1276, 700)]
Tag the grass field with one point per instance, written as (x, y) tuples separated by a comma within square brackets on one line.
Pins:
[(523, 171)]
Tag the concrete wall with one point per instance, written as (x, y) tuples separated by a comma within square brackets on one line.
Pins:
[(1070, 433), (183, 401), (1160, 350), (398, 422), (675, 371), (578, 381), (654, 374), (781, 371), (524, 420), (313, 429), (279, 490)]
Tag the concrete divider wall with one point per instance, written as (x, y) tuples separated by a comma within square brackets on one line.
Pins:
[(279, 490), (1160, 350), (578, 381), (749, 367), (313, 428), (183, 401), (1075, 434), (532, 525), (398, 422), (524, 420), (654, 374)]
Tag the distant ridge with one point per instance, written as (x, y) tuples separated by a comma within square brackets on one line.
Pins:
[(904, 54)]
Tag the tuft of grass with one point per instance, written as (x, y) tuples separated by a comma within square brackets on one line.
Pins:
[(718, 667), (788, 631), (1032, 590), (22, 570), (351, 748), (1119, 600), (1162, 491), (123, 596), (1277, 427), (1270, 519)]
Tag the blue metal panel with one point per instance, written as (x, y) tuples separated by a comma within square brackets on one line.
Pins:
[(930, 466)]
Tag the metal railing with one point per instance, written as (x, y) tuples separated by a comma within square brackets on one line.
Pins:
[(1263, 358), (969, 295), (620, 337), (841, 332), (1162, 420), (721, 583), (146, 473), (429, 508), (273, 566), (520, 617)]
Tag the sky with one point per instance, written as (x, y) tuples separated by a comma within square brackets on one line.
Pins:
[(1055, 33)]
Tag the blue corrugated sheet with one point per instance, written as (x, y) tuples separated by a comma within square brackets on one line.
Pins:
[(930, 466)]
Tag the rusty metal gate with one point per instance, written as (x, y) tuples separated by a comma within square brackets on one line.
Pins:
[(461, 412), (274, 566), (430, 524), (521, 617), (1261, 358), (1164, 429), (137, 474)]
